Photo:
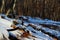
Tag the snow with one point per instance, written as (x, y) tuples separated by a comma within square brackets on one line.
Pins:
[(54, 32), (4, 32), (38, 34), (1, 36), (46, 21), (5, 22), (15, 33)]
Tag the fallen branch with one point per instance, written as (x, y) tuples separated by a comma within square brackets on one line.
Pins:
[(17, 28)]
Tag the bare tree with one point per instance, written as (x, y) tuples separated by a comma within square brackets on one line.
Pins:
[(2, 7), (13, 8)]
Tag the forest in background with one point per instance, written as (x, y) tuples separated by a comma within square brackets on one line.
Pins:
[(49, 9)]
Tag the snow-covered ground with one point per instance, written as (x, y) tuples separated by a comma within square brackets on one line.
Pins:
[(35, 31)]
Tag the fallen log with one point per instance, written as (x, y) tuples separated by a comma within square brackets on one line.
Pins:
[(46, 32), (54, 27)]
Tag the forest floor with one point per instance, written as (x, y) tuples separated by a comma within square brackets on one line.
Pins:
[(32, 28)]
